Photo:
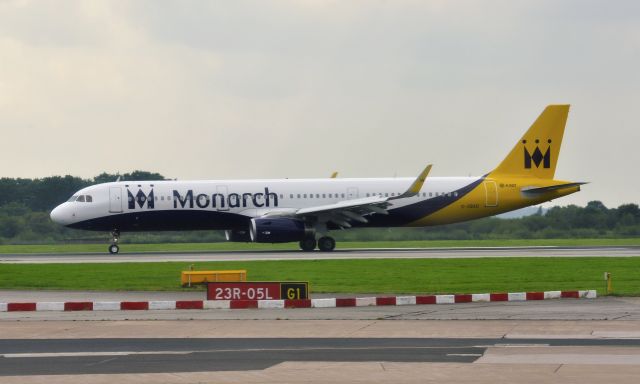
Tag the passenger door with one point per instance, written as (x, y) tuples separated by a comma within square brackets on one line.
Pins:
[(115, 200), (491, 191)]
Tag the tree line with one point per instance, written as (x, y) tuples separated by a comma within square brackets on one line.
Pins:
[(25, 205)]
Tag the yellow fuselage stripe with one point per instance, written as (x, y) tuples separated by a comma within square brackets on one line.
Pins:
[(496, 194)]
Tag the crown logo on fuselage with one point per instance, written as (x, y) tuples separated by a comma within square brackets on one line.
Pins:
[(141, 198), (537, 157)]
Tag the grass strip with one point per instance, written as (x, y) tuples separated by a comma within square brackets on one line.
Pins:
[(395, 276)]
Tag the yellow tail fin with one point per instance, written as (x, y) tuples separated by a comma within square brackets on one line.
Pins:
[(536, 154)]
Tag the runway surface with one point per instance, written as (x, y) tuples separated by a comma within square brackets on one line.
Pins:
[(366, 344), (51, 357), (547, 341), (169, 355), (378, 253)]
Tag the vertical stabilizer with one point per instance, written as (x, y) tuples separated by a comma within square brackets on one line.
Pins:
[(536, 154)]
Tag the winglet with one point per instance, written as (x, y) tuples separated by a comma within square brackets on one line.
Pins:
[(415, 188), (334, 175)]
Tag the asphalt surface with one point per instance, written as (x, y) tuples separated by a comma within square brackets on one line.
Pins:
[(102, 356), (399, 253), (395, 343)]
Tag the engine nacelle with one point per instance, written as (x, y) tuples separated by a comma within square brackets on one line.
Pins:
[(238, 235), (277, 230)]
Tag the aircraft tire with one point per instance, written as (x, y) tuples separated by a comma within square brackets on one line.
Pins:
[(308, 244), (113, 248), (326, 244)]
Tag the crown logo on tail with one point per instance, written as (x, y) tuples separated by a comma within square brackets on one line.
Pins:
[(537, 157)]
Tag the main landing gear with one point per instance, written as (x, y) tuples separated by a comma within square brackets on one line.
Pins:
[(115, 237), (308, 244), (325, 244)]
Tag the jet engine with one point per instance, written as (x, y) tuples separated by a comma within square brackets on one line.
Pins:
[(278, 230)]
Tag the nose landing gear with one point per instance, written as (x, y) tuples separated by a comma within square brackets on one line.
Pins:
[(115, 237)]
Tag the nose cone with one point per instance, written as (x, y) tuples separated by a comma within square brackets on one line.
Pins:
[(58, 215)]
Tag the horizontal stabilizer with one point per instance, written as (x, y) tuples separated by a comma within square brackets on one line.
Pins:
[(551, 188)]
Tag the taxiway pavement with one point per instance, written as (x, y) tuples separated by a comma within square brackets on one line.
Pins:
[(378, 253)]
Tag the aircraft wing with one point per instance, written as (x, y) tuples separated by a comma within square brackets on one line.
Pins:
[(344, 212)]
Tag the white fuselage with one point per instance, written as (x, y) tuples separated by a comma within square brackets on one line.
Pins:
[(222, 204)]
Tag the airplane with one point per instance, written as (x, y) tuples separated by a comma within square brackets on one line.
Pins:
[(306, 210)]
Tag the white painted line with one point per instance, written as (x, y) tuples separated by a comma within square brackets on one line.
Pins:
[(480, 297), (271, 304), (162, 305), (517, 296), (106, 306), (365, 301), (50, 306), (552, 295), (323, 303), (216, 304), (507, 345), (3, 307), (464, 354), (89, 354), (445, 299), (406, 300)]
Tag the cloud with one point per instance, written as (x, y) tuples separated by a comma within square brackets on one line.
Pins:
[(298, 89)]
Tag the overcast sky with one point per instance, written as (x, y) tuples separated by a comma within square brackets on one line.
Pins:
[(268, 89)]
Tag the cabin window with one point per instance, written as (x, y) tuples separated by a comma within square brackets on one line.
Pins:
[(89, 199), (80, 198), (386, 195), (281, 196), (291, 195), (305, 195), (330, 195), (72, 198), (324, 196), (298, 195), (162, 198), (317, 195), (367, 195), (343, 195)]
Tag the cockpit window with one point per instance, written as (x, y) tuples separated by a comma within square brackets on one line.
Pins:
[(80, 198), (89, 199), (72, 198)]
